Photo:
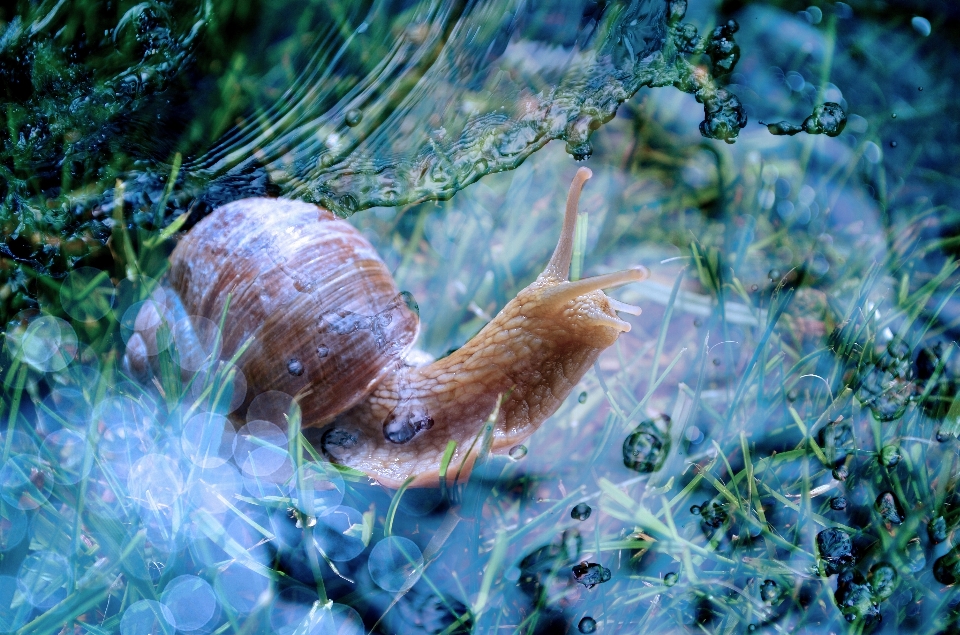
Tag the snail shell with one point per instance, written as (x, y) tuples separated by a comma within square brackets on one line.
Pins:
[(325, 322), (313, 295)]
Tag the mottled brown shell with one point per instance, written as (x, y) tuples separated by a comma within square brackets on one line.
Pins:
[(321, 306)]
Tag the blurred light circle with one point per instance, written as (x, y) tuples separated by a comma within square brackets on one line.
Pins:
[(136, 289), (254, 543), (121, 448), (395, 564), (49, 344), (146, 318), (338, 619), (13, 527), (44, 577), (147, 617), (18, 441), (197, 340), (273, 406), (13, 612), (26, 481), (191, 601), (122, 411), (339, 534), (101, 498), (240, 587), (290, 609), (162, 529), (155, 481), (317, 489), (225, 386), (52, 529), (63, 407), (207, 439), (87, 294), (66, 450), (260, 448), (214, 488)]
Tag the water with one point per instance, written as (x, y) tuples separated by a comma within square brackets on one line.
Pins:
[(787, 394)]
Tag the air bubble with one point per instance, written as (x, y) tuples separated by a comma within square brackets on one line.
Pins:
[(207, 439), (87, 294), (339, 534), (191, 602), (587, 625), (581, 512), (395, 564), (517, 452), (147, 617)]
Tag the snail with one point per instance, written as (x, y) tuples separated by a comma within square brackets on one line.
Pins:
[(329, 326)]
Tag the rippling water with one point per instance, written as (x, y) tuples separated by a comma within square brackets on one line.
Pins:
[(772, 447)]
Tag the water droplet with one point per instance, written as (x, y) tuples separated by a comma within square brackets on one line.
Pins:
[(890, 456), (353, 117), (583, 397), (920, 88), (590, 574), (697, 322), (769, 591), (295, 367), (841, 473), (395, 564), (646, 448), (581, 512), (322, 351), (517, 452), (893, 144), (838, 503), (883, 580), (587, 625), (774, 274), (937, 530), (695, 510), (886, 506), (693, 435), (671, 579), (792, 395), (894, 115), (921, 25), (836, 550)]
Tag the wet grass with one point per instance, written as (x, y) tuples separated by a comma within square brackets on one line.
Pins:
[(797, 363)]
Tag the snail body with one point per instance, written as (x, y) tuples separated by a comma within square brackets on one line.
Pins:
[(325, 322)]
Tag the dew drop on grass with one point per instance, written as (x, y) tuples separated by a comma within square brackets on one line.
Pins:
[(890, 456), (583, 397), (587, 625), (840, 473), (838, 503), (646, 448), (395, 564), (937, 530), (883, 580), (191, 602), (671, 579), (517, 452), (590, 574), (836, 549), (886, 506), (695, 510), (581, 512)]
